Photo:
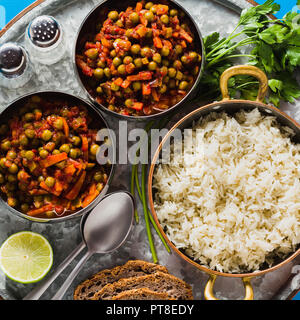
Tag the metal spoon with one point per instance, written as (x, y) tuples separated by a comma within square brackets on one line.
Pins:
[(103, 230)]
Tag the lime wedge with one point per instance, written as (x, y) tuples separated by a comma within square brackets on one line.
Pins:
[(26, 257)]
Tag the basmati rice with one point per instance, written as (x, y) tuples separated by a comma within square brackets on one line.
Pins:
[(231, 199)]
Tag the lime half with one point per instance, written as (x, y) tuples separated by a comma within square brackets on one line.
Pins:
[(26, 257)]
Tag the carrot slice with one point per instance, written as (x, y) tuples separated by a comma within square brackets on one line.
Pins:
[(73, 193), (93, 193), (125, 84), (43, 209), (185, 36), (137, 106), (56, 190), (143, 75), (66, 127), (138, 7), (157, 42), (161, 9), (118, 81), (70, 170), (146, 89), (85, 147), (53, 159)]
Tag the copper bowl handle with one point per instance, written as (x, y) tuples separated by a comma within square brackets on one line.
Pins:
[(246, 70), (209, 294)]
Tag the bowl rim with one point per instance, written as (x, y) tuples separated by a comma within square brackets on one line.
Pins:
[(153, 116), (150, 191), (111, 173)]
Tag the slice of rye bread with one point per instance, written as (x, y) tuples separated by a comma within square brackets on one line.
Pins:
[(87, 289), (142, 294), (158, 282)]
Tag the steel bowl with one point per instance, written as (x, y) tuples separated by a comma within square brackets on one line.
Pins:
[(98, 122), (230, 107), (88, 27)]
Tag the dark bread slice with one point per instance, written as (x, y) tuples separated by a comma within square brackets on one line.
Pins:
[(142, 294), (158, 282), (87, 289)]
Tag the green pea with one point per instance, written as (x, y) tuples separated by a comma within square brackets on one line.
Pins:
[(177, 64), (138, 62), (179, 75), (173, 12), (163, 88), (58, 124), (193, 55), (11, 154), (30, 133), (55, 151), (113, 15), (183, 85), (134, 17), (146, 52), (171, 72), (153, 9), (136, 86), (165, 51), (135, 48), (119, 23), (2, 163), (23, 140), (5, 145), (178, 49), (13, 168), (184, 59), (152, 66), (61, 165), (117, 61), (29, 116), (98, 73), (128, 103), (50, 182), (157, 57), (46, 135), (129, 33), (121, 69), (41, 179), (76, 140), (94, 148), (29, 155), (92, 53), (98, 176), (148, 5), (149, 16), (114, 87), (107, 72), (127, 60), (65, 148), (164, 19), (99, 90), (43, 153), (73, 153)]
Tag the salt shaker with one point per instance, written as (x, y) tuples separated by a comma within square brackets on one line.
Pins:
[(15, 68), (45, 40)]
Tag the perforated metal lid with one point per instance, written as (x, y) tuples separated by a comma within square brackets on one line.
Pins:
[(12, 59), (44, 31)]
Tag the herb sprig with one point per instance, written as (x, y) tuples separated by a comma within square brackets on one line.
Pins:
[(271, 45)]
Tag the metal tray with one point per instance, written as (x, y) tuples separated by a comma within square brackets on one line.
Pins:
[(280, 284)]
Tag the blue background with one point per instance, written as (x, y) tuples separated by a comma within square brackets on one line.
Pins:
[(10, 8)]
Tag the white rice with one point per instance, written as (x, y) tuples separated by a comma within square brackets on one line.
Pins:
[(231, 200)]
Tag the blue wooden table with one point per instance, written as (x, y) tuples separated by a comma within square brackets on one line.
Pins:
[(10, 8)]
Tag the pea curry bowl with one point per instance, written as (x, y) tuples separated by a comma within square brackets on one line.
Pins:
[(139, 59), (48, 166)]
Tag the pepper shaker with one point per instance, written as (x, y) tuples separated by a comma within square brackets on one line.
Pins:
[(15, 69), (45, 40)]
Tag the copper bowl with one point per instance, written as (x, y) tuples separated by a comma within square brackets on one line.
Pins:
[(230, 107), (88, 27), (98, 122)]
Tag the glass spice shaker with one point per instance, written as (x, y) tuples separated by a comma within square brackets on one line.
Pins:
[(15, 68), (45, 40)]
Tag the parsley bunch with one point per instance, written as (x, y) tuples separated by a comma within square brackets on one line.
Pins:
[(271, 45)]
